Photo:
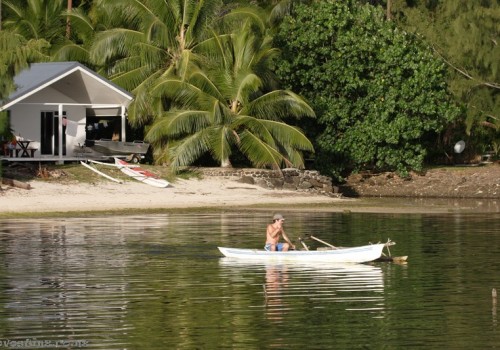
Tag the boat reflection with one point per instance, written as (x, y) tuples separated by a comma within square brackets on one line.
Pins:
[(352, 287), (276, 280)]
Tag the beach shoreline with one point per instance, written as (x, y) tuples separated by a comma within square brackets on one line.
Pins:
[(46, 198), (52, 197)]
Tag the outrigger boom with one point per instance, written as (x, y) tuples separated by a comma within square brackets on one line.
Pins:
[(100, 172), (383, 257)]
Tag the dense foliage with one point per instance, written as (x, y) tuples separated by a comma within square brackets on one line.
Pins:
[(230, 105), (15, 54), (466, 34), (202, 82), (379, 93)]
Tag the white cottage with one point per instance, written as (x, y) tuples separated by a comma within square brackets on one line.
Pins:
[(91, 107)]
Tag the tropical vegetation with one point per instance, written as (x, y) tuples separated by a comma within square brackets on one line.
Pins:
[(392, 83), (465, 35), (231, 105), (194, 92), (379, 92), (15, 54)]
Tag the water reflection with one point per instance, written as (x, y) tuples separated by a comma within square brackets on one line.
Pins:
[(466, 205), (141, 282), (494, 307), (358, 287), (69, 278), (276, 280)]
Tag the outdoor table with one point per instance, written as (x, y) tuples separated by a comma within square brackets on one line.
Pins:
[(24, 147)]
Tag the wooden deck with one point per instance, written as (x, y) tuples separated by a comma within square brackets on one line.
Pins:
[(52, 159)]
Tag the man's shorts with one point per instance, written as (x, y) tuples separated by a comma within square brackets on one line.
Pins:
[(279, 247)]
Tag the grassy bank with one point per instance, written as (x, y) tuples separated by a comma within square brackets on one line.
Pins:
[(75, 172)]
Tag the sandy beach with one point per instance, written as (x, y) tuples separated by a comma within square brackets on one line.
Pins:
[(45, 197), (216, 193), (226, 193)]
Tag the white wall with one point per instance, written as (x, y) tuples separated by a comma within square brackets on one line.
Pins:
[(26, 121)]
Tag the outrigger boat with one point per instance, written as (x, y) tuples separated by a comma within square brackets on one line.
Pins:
[(132, 170), (331, 254), (140, 174)]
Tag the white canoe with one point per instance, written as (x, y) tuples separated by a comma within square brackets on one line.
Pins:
[(360, 254)]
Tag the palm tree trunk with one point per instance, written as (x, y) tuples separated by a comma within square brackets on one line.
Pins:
[(225, 163), (68, 21)]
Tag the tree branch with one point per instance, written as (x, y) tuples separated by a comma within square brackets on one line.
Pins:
[(464, 73)]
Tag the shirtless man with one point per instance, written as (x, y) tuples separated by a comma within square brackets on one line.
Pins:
[(273, 233)]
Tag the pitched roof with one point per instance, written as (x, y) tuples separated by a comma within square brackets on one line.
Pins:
[(40, 75)]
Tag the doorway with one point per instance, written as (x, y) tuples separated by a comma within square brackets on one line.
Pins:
[(49, 140), (103, 128)]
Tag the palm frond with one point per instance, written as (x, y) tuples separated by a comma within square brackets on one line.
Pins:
[(81, 24), (189, 149), (294, 157), (221, 140), (288, 135), (183, 94), (112, 43), (254, 125), (246, 86), (199, 18), (277, 105), (205, 84), (71, 52), (235, 17), (174, 124), (279, 11), (185, 64), (260, 153)]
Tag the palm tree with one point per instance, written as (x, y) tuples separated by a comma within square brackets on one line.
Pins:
[(35, 19), (164, 52), (154, 39), (69, 30), (231, 104), (16, 53), (86, 22)]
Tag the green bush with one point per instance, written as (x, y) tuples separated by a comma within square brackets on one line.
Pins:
[(379, 93)]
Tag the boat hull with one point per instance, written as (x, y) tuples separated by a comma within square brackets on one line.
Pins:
[(117, 148), (344, 255), (141, 174)]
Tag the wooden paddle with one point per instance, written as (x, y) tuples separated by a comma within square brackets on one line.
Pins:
[(325, 243), (303, 244)]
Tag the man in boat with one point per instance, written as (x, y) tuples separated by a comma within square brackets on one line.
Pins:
[(273, 233)]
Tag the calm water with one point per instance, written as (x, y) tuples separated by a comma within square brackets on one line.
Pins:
[(158, 282)]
